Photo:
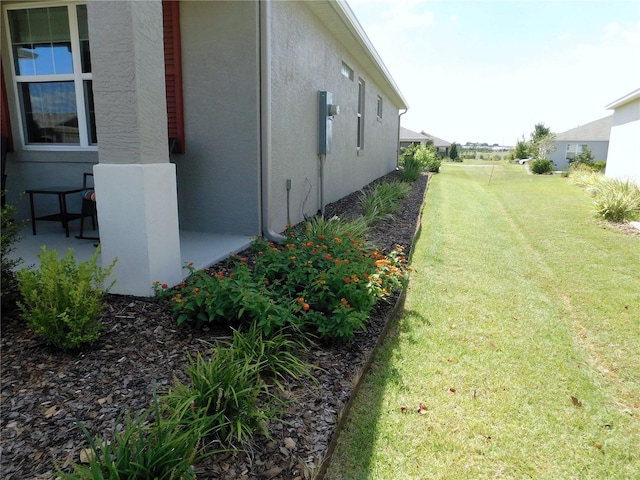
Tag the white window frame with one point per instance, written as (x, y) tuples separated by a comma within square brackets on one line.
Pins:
[(379, 108), (360, 116), (347, 71), (78, 78)]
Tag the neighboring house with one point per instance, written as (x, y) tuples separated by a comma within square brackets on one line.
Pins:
[(624, 144), (571, 143), (101, 85), (409, 137)]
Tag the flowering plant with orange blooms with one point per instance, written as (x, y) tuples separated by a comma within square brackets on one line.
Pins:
[(236, 297), (339, 278), (326, 284)]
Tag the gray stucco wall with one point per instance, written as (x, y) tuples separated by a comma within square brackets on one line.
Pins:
[(558, 157), (218, 176), (306, 58)]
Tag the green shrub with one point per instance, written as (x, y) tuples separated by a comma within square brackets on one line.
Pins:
[(10, 236), (599, 166), (62, 301), (333, 282), (585, 157), (237, 297), (541, 166), (428, 158), (410, 166), (617, 200), (151, 445)]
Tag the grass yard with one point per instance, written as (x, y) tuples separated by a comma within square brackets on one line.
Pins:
[(518, 355)]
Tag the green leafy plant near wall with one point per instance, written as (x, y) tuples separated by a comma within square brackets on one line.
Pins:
[(62, 300)]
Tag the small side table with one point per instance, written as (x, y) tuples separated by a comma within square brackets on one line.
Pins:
[(63, 216)]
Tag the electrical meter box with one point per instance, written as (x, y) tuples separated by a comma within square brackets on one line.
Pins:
[(326, 111)]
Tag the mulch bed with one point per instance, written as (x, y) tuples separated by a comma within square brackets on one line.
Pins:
[(45, 392)]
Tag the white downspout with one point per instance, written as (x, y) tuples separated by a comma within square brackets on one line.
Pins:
[(265, 120)]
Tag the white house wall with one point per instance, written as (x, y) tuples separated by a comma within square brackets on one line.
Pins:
[(306, 58), (624, 161), (218, 176)]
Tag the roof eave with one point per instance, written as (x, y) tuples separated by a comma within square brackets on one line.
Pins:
[(375, 66), (629, 97)]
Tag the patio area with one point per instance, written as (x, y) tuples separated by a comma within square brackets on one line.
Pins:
[(203, 249)]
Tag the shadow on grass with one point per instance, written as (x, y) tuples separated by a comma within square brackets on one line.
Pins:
[(369, 394)]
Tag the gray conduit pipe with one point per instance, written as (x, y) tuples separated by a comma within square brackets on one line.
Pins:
[(265, 120)]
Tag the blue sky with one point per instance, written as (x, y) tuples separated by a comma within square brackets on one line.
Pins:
[(488, 71)]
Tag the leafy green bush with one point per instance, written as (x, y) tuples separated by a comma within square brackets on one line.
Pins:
[(410, 166), (236, 297), (599, 166), (10, 236), (617, 200), (336, 281), (428, 158), (62, 301), (151, 445), (541, 166), (585, 157)]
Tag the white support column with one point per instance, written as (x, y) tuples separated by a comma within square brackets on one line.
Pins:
[(135, 183)]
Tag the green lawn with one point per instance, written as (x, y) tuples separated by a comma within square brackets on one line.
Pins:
[(520, 338)]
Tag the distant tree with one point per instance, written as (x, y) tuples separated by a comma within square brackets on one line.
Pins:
[(453, 151), (521, 150), (540, 131), (542, 141)]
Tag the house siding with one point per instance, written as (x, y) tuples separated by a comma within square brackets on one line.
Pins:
[(218, 176), (559, 155), (307, 58)]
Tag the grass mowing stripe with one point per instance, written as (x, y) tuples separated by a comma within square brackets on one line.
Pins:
[(489, 347)]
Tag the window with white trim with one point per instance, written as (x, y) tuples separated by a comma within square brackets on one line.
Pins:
[(52, 74), (360, 116), (347, 71), (379, 108)]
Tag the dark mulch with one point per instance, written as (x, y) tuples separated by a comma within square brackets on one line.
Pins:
[(46, 391)]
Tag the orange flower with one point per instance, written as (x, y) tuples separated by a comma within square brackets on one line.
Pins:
[(305, 307), (300, 300), (337, 261), (328, 256)]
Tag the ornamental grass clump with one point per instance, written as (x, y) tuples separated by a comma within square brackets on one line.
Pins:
[(62, 301), (617, 200), (154, 444), (225, 395)]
